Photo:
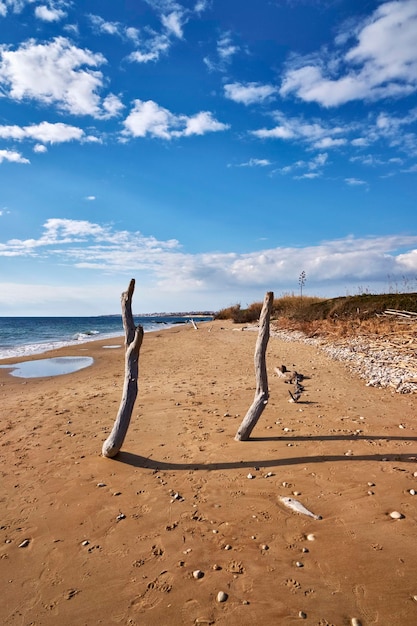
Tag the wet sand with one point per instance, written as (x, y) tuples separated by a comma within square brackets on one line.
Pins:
[(116, 541)]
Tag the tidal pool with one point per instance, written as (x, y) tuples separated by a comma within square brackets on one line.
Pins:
[(49, 367)]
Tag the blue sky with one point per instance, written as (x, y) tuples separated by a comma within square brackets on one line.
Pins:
[(212, 150)]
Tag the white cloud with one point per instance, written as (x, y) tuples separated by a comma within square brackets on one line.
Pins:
[(381, 64), (355, 182), (49, 14), (44, 132), (39, 148), (226, 49), (16, 6), (148, 118), (340, 263), (314, 132), (90, 198), (105, 28), (12, 157), (309, 169), (249, 93), (54, 73), (255, 163), (150, 49), (173, 23)]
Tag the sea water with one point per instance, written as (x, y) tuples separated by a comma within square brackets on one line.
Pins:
[(25, 336)]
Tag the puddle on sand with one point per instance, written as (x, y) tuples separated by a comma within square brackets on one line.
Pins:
[(49, 367)]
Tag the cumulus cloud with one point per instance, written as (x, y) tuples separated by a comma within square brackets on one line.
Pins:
[(12, 156), (315, 132), (44, 132), (382, 62), (306, 169), (49, 14), (148, 118), (56, 73), (249, 93)]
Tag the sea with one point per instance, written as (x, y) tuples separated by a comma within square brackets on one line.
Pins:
[(25, 336)]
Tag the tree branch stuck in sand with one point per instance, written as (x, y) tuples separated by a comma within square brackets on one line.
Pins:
[(261, 393), (133, 342)]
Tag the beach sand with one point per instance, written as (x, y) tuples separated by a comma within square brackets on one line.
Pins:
[(117, 541)]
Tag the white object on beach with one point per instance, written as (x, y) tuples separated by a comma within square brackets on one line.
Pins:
[(396, 515), (297, 507)]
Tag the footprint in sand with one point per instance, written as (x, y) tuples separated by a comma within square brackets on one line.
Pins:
[(370, 617)]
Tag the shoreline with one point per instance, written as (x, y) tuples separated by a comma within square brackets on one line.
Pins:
[(184, 496)]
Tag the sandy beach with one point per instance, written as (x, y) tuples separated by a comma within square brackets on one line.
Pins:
[(185, 512)]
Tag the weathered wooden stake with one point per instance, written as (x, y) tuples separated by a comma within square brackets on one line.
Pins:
[(261, 393), (133, 342)]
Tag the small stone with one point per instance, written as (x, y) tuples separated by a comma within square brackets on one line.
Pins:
[(222, 596), (198, 574), (396, 515), (101, 484), (305, 550), (228, 547), (296, 493), (310, 537), (415, 474), (349, 453), (355, 622), (117, 493), (264, 547), (24, 543), (120, 517), (299, 564), (250, 476), (85, 543), (412, 492), (371, 484), (216, 567), (302, 615)]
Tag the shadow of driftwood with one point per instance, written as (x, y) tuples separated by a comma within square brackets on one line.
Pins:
[(140, 461)]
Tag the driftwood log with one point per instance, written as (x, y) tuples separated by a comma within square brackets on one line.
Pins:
[(261, 393), (133, 342)]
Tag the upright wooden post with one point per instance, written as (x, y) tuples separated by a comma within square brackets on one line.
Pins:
[(133, 342), (261, 393)]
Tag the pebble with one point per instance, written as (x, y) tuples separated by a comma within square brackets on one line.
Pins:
[(250, 476), (299, 564), (355, 622), (24, 543), (101, 484), (198, 574), (302, 615), (228, 547), (310, 537), (85, 543), (216, 567), (222, 596), (396, 515), (412, 492), (120, 517), (264, 547)]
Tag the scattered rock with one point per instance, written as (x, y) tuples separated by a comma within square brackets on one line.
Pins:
[(198, 574), (101, 484), (120, 517), (310, 537), (85, 543), (302, 615), (355, 622), (396, 515), (24, 543), (222, 596)]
